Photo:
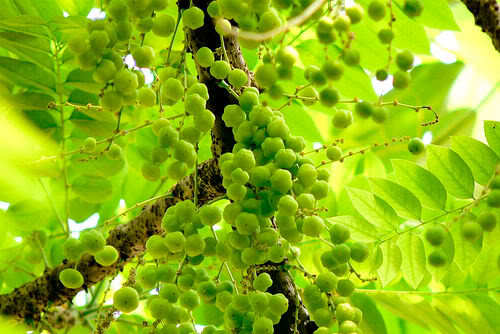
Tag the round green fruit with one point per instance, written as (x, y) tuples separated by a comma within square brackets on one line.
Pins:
[(107, 256), (193, 18), (416, 146), (345, 287), (487, 220), (342, 118), (126, 299), (376, 10), (144, 56), (71, 278), (204, 57), (413, 8), (435, 235), (437, 258), (471, 230), (493, 199)]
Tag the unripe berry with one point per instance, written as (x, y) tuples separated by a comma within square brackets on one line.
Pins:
[(107, 256), (345, 287), (111, 101), (376, 10), (381, 75), (471, 230), (342, 23), (435, 235), (342, 118), (339, 233), (326, 281), (262, 282), (404, 60), (401, 80), (416, 146), (359, 251), (310, 94), (385, 35), (150, 171), (220, 69), (190, 299), (210, 214), (266, 75), (333, 70), (159, 307), (281, 181), (313, 226), (355, 13), (204, 57), (144, 56), (487, 220), (146, 97), (105, 71), (92, 241), (73, 249), (237, 78), (351, 57), (493, 199), (437, 258), (193, 17), (71, 278), (89, 144), (329, 97), (413, 8), (379, 114), (163, 25), (175, 241), (79, 44)]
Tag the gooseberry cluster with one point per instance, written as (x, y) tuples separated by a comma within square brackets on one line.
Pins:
[(90, 242)]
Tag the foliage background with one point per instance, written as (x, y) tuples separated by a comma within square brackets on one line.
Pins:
[(466, 88)]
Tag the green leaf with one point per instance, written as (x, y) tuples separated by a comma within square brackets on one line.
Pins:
[(484, 269), (437, 14), (417, 310), (207, 314), (400, 198), (391, 262), (301, 123), (478, 156), (451, 170), (361, 230), (77, 7), (489, 308), (413, 255), (372, 322), (27, 47), (492, 133), (26, 24), (83, 80), (374, 210), (465, 251), (464, 313), (26, 74), (93, 189), (427, 187)]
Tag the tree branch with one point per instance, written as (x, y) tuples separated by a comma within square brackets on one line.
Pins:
[(30, 300), (486, 15)]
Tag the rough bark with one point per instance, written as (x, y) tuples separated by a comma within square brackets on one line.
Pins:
[(30, 300), (487, 16)]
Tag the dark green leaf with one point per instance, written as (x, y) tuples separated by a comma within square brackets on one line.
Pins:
[(26, 74), (400, 198), (421, 182), (478, 156), (414, 260), (451, 170), (492, 133)]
